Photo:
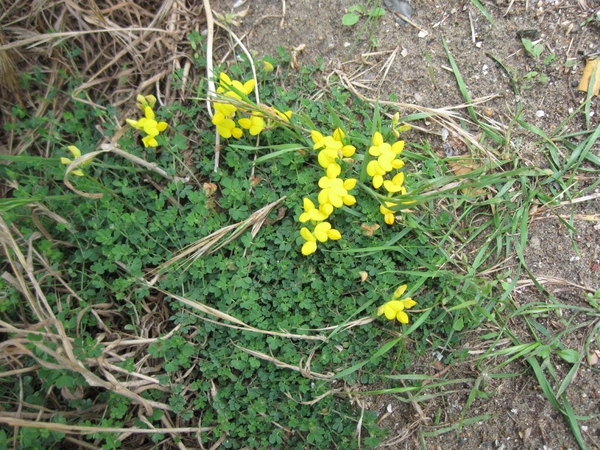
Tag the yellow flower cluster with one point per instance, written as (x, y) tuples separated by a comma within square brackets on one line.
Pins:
[(334, 191), (386, 159), (76, 154), (394, 309), (148, 124), (225, 113)]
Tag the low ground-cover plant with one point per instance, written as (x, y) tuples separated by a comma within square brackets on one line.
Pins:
[(256, 336)]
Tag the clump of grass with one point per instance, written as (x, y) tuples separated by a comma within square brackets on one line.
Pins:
[(157, 294)]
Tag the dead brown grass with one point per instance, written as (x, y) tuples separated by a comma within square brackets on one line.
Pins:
[(113, 50)]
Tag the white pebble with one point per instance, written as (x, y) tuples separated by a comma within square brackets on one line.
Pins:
[(540, 113)]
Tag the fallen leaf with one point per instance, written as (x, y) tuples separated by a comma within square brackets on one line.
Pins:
[(590, 66), (209, 189), (368, 230), (463, 166)]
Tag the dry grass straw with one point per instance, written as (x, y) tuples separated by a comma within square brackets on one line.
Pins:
[(125, 49), (56, 351)]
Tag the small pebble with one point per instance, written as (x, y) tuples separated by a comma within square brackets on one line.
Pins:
[(540, 113)]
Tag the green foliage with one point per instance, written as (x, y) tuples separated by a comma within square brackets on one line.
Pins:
[(355, 12), (534, 50), (143, 220)]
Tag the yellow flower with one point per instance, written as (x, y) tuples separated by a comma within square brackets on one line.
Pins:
[(226, 84), (223, 111), (226, 128), (143, 101), (268, 66), (327, 156), (148, 125), (394, 309), (76, 154), (375, 171), (311, 212), (395, 184), (388, 214), (322, 233), (286, 116), (334, 189), (255, 124)]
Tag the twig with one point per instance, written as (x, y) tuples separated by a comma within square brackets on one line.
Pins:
[(76, 429), (407, 20), (282, 14)]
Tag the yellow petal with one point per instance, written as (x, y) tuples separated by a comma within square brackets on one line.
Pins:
[(333, 170), (349, 200), (338, 134), (402, 317), (75, 151), (408, 303), (377, 139), (150, 141), (309, 247), (377, 181), (371, 168), (389, 312), (248, 86), (349, 184), (321, 231), (149, 113), (398, 147), (162, 126), (348, 150), (151, 100), (307, 204), (307, 235), (397, 163), (65, 161), (224, 79), (334, 235), (317, 139), (316, 215), (401, 289), (391, 187), (326, 209)]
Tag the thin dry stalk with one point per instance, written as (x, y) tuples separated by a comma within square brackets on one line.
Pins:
[(239, 325), (304, 370), (76, 429), (219, 238), (447, 117)]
